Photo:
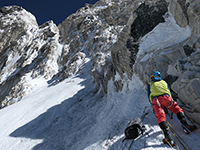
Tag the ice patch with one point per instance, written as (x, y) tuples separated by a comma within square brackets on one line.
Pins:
[(164, 35)]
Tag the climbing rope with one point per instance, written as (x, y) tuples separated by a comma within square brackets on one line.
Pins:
[(187, 129), (173, 131), (175, 135), (168, 142)]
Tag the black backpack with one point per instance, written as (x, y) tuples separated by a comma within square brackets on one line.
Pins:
[(134, 129)]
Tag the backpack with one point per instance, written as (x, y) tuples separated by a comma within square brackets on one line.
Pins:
[(134, 129)]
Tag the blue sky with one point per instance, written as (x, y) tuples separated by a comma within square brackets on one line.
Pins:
[(45, 10)]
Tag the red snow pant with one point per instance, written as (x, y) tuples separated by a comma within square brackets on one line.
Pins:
[(164, 101)]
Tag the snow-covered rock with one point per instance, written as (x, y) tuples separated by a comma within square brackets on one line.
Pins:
[(116, 44), (121, 37), (29, 53), (173, 48)]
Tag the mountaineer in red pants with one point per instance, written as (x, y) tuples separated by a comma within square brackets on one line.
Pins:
[(160, 97)]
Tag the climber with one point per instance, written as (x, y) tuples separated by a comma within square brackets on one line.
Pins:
[(160, 97)]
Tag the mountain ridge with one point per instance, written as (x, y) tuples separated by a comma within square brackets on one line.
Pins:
[(110, 33)]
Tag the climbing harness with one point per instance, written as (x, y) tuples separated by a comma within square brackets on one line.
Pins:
[(170, 104), (158, 103)]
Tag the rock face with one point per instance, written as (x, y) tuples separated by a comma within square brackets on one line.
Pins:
[(178, 63), (30, 54), (120, 37)]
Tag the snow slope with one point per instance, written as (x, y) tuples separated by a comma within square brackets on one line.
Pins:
[(74, 116)]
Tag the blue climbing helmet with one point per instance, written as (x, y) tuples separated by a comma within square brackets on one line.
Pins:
[(156, 74)]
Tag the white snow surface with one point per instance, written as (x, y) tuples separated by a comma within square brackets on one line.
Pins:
[(164, 35), (74, 116)]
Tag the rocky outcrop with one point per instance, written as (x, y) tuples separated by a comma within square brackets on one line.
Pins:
[(110, 32), (30, 55), (179, 63)]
